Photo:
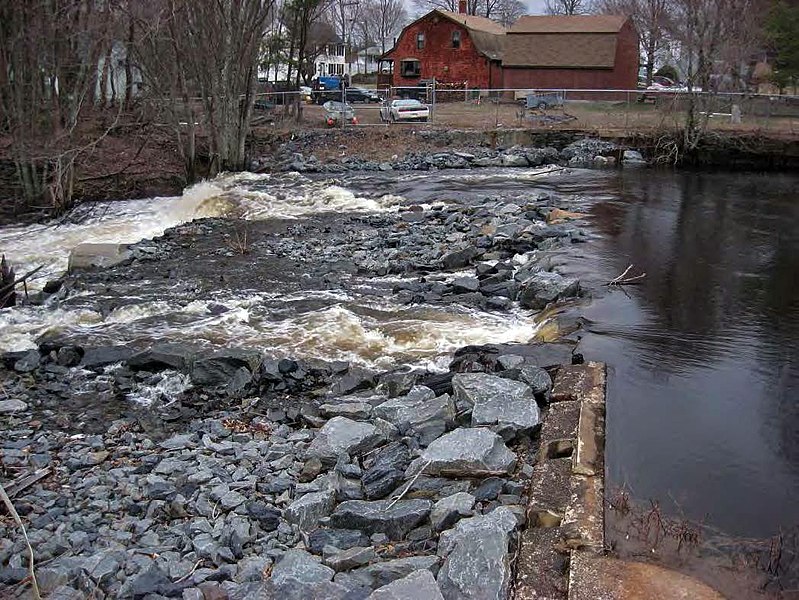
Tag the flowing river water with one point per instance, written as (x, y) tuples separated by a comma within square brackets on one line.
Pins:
[(703, 410)]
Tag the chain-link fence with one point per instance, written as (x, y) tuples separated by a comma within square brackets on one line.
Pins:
[(592, 110)]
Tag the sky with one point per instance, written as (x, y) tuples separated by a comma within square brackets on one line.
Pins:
[(535, 7)]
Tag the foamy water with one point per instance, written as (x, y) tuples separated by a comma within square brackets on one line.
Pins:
[(349, 327)]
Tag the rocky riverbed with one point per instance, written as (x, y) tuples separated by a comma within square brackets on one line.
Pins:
[(171, 456)]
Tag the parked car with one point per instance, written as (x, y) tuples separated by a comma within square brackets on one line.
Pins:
[(404, 110), (544, 100), (338, 112), (352, 95)]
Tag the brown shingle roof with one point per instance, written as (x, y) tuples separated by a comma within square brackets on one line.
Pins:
[(474, 23), (569, 24), (563, 50)]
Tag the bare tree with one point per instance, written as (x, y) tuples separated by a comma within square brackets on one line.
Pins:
[(566, 7), (714, 36), (381, 20), (206, 49), (49, 53), (651, 19), (502, 11)]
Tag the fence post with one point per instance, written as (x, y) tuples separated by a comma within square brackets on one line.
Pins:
[(433, 107), (627, 112)]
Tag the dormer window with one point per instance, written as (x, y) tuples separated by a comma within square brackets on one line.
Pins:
[(456, 39), (420, 41)]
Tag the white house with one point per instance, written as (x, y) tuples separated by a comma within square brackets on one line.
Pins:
[(330, 58)]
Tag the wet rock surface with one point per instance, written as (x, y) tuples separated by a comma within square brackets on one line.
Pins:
[(180, 468)]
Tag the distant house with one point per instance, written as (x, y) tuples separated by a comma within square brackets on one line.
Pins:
[(558, 52), (325, 49), (571, 52), (450, 47)]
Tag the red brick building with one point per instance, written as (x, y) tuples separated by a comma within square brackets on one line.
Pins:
[(559, 52), (450, 47)]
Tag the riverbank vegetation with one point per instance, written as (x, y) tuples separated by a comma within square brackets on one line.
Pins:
[(104, 98)]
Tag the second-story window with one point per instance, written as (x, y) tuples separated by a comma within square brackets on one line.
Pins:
[(456, 39), (420, 41)]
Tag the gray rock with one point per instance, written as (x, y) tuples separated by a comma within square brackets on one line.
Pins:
[(465, 452), (11, 406), (231, 500), (460, 258), (268, 518), (163, 356), (377, 517), (308, 509), (220, 367), (509, 405), (102, 356), (343, 539), (447, 511), (632, 157), (90, 255), (350, 558), (545, 287), (477, 564), (301, 567), (387, 471), (419, 585), (420, 414), (489, 489), (514, 160), (150, 581), (397, 383), (463, 285), (382, 573), (341, 435), (27, 362), (537, 378), (354, 410)]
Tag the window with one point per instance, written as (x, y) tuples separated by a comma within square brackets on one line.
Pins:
[(456, 39), (420, 41), (340, 50), (339, 69), (411, 68)]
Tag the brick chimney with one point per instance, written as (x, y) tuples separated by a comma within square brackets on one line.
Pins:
[(462, 7)]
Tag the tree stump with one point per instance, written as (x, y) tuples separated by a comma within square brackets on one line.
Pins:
[(8, 294)]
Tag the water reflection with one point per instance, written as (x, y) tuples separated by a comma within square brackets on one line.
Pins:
[(704, 388)]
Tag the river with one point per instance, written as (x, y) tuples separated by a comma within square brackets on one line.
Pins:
[(704, 383)]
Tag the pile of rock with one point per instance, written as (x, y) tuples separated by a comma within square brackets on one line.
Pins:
[(396, 491)]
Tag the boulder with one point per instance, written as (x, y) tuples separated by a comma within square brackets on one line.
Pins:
[(218, 368), (457, 259), (476, 562), (27, 362), (343, 539), (537, 378), (102, 356), (545, 287), (341, 435), (447, 511), (465, 452), (301, 567), (419, 585), (514, 160), (306, 510), (387, 471), (163, 356), (351, 558), (382, 573), (382, 516), (87, 256), (13, 405), (358, 411), (419, 414), (507, 405)]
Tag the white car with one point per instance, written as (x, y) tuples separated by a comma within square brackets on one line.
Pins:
[(404, 110)]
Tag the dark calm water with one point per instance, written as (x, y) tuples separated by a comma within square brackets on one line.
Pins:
[(703, 403)]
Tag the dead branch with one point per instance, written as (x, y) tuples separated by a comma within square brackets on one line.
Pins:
[(624, 280), (18, 521)]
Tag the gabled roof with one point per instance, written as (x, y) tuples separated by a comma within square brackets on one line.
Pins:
[(487, 35), (473, 22), (569, 24), (557, 50)]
